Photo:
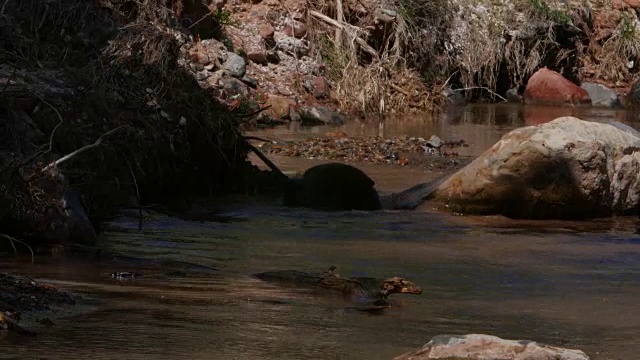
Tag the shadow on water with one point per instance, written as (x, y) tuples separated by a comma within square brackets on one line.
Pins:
[(572, 284)]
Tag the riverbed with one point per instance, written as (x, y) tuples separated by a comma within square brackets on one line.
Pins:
[(570, 284)]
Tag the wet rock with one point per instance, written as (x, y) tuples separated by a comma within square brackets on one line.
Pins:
[(485, 347), (279, 106), (295, 29), (513, 96), (567, 168), (320, 115), (549, 87), (601, 95), (235, 65), (453, 97), (333, 187), (434, 142), (321, 87), (233, 87)]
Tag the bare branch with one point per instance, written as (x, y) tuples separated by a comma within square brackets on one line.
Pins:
[(81, 150), (12, 240)]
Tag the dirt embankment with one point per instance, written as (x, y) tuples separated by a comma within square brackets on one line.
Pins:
[(99, 110)]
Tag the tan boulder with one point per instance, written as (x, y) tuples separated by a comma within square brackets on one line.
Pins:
[(279, 106), (567, 168)]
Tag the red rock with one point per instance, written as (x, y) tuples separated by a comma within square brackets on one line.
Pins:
[(295, 29), (258, 56), (266, 31), (549, 87), (633, 3), (321, 87)]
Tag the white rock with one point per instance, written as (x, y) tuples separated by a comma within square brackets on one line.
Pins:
[(487, 347)]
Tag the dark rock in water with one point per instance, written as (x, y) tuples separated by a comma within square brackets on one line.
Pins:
[(454, 97), (334, 187), (512, 96), (320, 115)]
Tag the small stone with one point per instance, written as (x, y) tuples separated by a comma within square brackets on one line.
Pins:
[(434, 142), (295, 29), (235, 65), (234, 87), (266, 32), (196, 66), (200, 58), (258, 57), (251, 82), (321, 87), (202, 75)]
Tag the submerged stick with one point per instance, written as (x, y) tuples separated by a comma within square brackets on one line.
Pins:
[(265, 159)]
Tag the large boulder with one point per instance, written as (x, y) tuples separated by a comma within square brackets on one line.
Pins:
[(549, 87), (567, 168), (333, 187), (487, 347)]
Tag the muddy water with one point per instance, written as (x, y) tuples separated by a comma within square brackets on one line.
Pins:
[(572, 284)]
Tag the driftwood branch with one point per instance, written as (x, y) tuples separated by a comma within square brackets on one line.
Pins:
[(340, 19), (363, 44), (13, 240), (400, 90), (483, 88), (265, 159), (81, 150), (254, 113)]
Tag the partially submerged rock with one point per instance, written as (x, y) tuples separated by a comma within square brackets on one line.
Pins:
[(601, 96), (487, 347), (333, 186), (567, 168), (549, 87)]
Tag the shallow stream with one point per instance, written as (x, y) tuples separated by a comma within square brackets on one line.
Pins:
[(571, 284)]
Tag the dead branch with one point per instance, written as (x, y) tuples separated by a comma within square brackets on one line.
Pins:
[(254, 113), (13, 240), (81, 150), (483, 88), (257, 138), (363, 44), (400, 90), (340, 20), (57, 126), (265, 159)]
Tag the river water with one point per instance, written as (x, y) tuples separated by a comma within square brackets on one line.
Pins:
[(571, 284)]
